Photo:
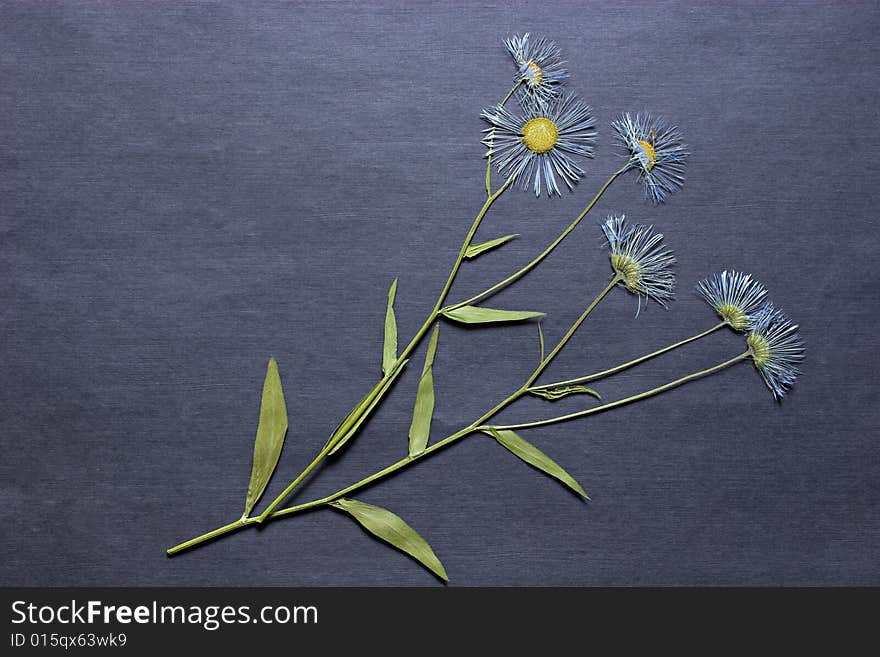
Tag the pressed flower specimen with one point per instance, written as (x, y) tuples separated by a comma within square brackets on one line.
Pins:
[(539, 65), (548, 139), (542, 141), (656, 150), (735, 296), (776, 348)]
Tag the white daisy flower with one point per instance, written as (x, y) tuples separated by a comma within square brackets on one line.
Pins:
[(776, 349), (539, 65), (656, 150), (539, 145), (735, 296), (638, 258)]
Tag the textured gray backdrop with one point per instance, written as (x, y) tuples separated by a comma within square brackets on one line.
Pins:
[(187, 189)]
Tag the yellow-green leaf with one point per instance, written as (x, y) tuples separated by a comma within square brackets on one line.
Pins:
[(541, 342), (420, 429), (563, 391), (270, 436), (392, 529), (476, 249), (479, 315), (354, 414), (389, 351), (363, 410), (534, 456)]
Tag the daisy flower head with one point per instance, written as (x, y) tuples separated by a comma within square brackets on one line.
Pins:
[(539, 65), (775, 348), (735, 296), (641, 262), (656, 150), (539, 144)]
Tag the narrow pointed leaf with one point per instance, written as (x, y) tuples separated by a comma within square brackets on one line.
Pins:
[(479, 315), (354, 414), (270, 436), (420, 429), (541, 341), (563, 391), (534, 456), (476, 249), (366, 407), (389, 351), (392, 529)]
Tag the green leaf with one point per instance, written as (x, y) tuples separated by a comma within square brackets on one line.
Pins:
[(541, 342), (391, 528), (389, 351), (270, 436), (420, 429), (363, 410), (563, 391), (476, 249), (534, 456), (478, 315), (355, 413)]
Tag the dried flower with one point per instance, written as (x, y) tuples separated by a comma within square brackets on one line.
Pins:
[(735, 296), (638, 258), (539, 66), (656, 150), (776, 349), (539, 144)]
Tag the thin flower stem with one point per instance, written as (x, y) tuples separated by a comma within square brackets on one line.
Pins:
[(571, 331), (466, 431), (352, 419), (632, 363), (510, 93), (537, 260), (474, 427), (210, 536), (627, 400), (467, 242), (270, 512), (492, 141)]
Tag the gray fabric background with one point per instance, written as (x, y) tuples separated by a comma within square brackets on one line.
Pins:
[(187, 189)]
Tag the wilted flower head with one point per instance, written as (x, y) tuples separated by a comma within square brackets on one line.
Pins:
[(539, 144), (638, 258), (735, 296), (539, 65), (656, 150), (776, 349)]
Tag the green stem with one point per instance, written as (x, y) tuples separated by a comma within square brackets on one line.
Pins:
[(305, 473), (492, 141), (467, 242), (471, 428), (474, 427), (220, 531), (361, 408), (537, 260), (632, 363), (627, 400), (510, 93), (354, 416), (364, 405), (571, 331)]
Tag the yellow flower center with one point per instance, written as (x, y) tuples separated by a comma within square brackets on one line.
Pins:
[(540, 135), (536, 74), (737, 319), (628, 270), (650, 154), (759, 348)]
